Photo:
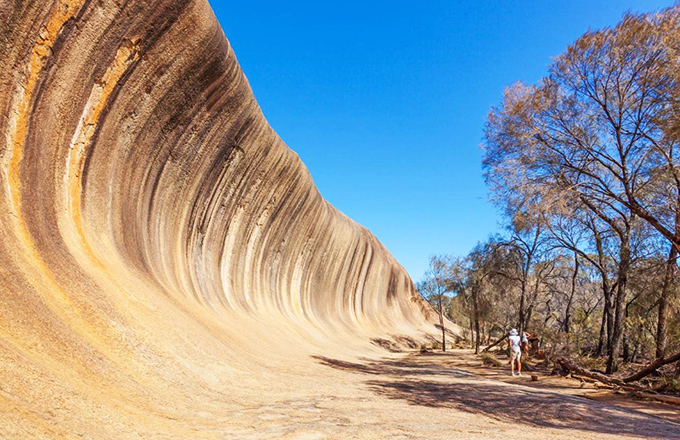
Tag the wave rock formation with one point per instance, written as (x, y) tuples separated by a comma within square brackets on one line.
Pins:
[(164, 257)]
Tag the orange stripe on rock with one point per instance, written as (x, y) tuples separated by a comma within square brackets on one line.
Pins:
[(100, 96)]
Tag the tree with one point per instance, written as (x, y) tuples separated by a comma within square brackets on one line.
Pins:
[(474, 276), (496, 282), (434, 288), (582, 233), (600, 131)]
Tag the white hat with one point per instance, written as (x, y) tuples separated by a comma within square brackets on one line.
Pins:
[(513, 332)]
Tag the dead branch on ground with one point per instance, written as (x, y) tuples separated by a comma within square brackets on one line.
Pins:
[(501, 339), (652, 367)]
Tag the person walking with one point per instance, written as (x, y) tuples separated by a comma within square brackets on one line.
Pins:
[(515, 352)]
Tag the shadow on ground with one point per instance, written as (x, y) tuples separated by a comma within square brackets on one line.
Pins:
[(432, 385)]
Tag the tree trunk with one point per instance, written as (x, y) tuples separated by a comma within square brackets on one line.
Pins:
[(661, 332), (610, 321), (476, 314), (477, 339), (607, 315), (600, 342), (567, 313), (626, 348), (522, 296), (527, 317), (624, 266), (607, 292), (441, 321)]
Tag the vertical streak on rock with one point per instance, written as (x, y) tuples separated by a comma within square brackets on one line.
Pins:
[(22, 101), (100, 96), (19, 118), (27, 89)]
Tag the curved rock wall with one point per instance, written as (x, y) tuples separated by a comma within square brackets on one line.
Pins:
[(156, 234)]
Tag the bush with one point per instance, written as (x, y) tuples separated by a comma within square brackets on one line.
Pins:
[(426, 348), (490, 360), (668, 384)]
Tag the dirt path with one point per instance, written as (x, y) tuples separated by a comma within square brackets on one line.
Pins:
[(467, 360), (453, 395)]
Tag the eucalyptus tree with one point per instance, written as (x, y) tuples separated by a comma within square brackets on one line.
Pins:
[(595, 132), (584, 235), (436, 287), (480, 267)]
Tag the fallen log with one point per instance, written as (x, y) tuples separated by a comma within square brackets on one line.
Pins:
[(652, 367), (606, 380), (600, 385), (584, 379), (573, 368), (501, 339), (659, 397)]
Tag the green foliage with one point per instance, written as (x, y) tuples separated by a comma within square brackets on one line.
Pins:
[(671, 384)]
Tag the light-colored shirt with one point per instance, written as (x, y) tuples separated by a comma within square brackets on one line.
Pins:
[(514, 341)]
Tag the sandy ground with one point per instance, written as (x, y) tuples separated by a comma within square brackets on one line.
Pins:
[(445, 396), (381, 395), (466, 359), (432, 396)]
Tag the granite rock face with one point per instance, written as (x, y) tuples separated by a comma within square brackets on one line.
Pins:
[(159, 243)]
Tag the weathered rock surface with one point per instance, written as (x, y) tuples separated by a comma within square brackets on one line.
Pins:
[(164, 258)]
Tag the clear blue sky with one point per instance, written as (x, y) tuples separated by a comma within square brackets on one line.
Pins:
[(385, 101)]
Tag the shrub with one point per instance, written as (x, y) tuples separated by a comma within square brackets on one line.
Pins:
[(490, 360)]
